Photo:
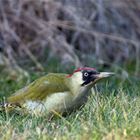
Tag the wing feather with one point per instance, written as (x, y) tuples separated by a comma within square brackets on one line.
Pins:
[(41, 88)]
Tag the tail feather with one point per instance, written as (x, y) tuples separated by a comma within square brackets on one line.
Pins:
[(9, 106)]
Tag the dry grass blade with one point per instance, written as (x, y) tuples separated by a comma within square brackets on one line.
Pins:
[(78, 29)]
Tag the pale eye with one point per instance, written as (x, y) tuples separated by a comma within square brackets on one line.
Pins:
[(86, 74)]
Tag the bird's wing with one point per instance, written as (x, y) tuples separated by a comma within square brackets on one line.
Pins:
[(40, 88)]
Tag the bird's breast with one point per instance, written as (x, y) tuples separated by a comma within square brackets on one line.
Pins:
[(55, 102), (59, 102)]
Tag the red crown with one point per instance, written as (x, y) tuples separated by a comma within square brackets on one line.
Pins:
[(80, 69)]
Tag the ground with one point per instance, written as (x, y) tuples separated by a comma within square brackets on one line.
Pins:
[(112, 112)]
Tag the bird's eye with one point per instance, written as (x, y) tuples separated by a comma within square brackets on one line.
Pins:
[(86, 74)]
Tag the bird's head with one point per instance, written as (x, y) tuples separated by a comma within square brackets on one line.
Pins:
[(87, 76)]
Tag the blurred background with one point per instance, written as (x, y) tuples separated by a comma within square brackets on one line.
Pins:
[(60, 35), (42, 36)]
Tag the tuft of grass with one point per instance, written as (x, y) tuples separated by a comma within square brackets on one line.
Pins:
[(112, 112)]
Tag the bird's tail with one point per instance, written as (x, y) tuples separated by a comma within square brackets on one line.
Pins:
[(9, 106)]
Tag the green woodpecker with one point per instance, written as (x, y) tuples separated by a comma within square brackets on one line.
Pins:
[(56, 92)]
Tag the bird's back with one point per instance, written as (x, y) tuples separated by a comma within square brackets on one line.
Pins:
[(40, 88)]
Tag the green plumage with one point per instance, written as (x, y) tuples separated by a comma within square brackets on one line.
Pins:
[(41, 88)]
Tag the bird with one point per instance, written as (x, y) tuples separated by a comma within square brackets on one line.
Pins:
[(56, 92)]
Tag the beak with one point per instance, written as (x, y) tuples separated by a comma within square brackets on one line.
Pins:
[(103, 75)]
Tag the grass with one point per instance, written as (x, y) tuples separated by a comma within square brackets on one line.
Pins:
[(111, 113)]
